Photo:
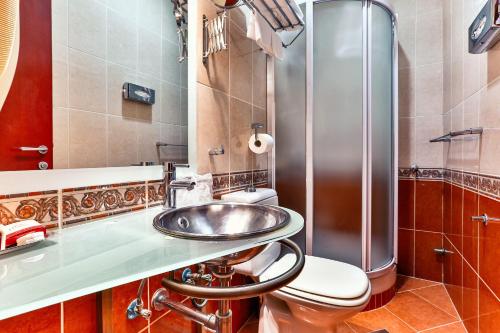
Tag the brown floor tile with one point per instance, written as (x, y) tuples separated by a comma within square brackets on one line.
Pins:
[(417, 312), (405, 283), (438, 296), (378, 319), (450, 328)]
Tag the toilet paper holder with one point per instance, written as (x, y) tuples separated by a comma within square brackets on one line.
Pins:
[(256, 127)]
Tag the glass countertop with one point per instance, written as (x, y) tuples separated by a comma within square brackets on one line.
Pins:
[(99, 255)]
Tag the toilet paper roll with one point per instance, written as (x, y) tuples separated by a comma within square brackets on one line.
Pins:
[(263, 144)]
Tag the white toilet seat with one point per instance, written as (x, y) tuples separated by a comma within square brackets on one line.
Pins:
[(323, 282)]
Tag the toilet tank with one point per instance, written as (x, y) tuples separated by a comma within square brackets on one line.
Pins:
[(263, 196), (256, 266)]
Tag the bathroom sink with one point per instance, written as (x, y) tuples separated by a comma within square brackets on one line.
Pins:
[(222, 222)]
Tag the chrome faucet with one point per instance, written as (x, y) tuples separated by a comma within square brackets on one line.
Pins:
[(172, 184), (172, 188)]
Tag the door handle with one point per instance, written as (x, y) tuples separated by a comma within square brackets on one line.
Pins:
[(42, 149)]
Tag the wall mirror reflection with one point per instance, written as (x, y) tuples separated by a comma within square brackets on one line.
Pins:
[(95, 84)]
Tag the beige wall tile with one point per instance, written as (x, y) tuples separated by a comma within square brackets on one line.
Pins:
[(170, 104), (87, 139), (122, 141), (240, 66), (122, 40), (184, 106), (455, 151), (60, 21), (87, 86), (472, 143), (407, 91), (215, 72), (259, 77), (168, 24), (429, 94), (150, 53), (490, 152), (457, 82), (171, 70), (60, 122), (147, 136), (149, 15), (212, 129), (59, 75), (240, 131), (406, 36), (126, 8), (260, 116), (425, 6), (238, 17), (171, 134), (429, 38), (117, 76), (489, 114), (407, 152), (489, 65), (87, 26), (405, 8), (429, 155)]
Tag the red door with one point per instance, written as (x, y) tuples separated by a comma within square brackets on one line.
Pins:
[(26, 116)]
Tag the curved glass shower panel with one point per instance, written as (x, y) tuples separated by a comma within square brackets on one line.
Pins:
[(382, 227), (338, 130), (290, 100)]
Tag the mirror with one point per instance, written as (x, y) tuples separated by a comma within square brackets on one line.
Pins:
[(97, 84)]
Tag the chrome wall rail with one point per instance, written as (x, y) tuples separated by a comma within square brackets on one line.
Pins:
[(241, 292), (485, 219), (221, 321), (447, 137), (278, 17)]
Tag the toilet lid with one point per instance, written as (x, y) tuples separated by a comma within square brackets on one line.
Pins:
[(321, 278)]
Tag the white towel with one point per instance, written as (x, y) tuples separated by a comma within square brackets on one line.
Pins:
[(201, 194), (264, 35)]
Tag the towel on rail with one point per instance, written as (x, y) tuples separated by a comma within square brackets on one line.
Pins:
[(281, 14), (264, 36)]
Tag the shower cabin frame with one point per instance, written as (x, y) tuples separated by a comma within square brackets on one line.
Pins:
[(373, 272)]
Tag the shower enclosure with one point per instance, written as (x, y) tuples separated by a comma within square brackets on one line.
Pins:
[(336, 132)]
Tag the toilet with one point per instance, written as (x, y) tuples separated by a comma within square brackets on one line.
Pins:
[(325, 293)]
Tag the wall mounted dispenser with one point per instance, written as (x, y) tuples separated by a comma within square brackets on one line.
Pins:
[(484, 32), (136, 93)]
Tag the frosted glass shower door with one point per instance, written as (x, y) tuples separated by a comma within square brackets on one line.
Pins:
[(338, 130), (382, 227)]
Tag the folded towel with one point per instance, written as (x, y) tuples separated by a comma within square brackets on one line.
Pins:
[(201, 194), (264, 35)]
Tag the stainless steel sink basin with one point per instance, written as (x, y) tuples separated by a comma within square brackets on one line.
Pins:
[(223, 221)]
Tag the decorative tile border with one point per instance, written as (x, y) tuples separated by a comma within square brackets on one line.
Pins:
[(95, 202), (235, 181), (156, 192), (83, 204), (40, 207), (428, 173), (79, 204), (485, 184)]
